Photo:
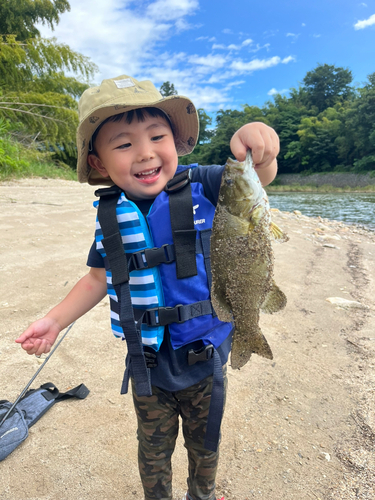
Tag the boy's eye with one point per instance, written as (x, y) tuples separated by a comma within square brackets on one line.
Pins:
[(124, 146), (157, 137)]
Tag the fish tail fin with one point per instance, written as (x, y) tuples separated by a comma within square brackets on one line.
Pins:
[(277, 233), (275, 300), (241, 352)]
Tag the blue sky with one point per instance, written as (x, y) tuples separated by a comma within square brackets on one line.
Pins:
[(221, 53)]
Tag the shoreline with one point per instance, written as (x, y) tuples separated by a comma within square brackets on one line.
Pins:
[(345, 181)]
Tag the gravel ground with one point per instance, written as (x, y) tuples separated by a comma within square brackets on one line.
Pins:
[(296, 428)]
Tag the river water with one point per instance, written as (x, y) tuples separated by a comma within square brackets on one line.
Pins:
[(352, 208)]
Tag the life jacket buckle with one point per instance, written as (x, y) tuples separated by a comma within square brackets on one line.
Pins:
[(203, 354), (179, 181), (162, 316), (151, 257)]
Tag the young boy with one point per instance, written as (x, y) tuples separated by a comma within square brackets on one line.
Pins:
[(151, 254)]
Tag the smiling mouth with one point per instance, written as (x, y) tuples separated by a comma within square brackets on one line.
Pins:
[(148, 173)]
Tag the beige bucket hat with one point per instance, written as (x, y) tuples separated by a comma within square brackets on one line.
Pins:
[(122, 94)]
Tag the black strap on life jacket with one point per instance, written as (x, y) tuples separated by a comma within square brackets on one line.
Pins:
[(114, 249), (182, 222)]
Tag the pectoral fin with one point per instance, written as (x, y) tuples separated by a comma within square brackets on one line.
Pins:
[(275, 300), (277, 233)]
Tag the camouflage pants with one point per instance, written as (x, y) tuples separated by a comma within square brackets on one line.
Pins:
[(158, 423)]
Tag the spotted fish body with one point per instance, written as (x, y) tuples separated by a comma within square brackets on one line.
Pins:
[(242, 259)]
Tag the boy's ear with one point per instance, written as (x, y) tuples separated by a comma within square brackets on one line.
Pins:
[(96, 163)]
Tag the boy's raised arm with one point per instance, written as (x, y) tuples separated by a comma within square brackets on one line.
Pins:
[(264, 144), (88, 291)]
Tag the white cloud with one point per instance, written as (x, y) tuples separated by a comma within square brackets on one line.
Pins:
[(212, 61), (293, 36), (255, 64), (234, 84), (275, 92), (169, 10), (260, 47), (119, 38), (259, 64), (360, 25), (315, 35), (288, 59), (232, 46)]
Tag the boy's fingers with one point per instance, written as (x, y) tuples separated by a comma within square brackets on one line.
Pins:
[(31, 346), (37, 347), (22, 338), (266, 150), (43, 348)]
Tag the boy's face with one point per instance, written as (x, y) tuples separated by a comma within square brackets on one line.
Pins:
[(139, 157)]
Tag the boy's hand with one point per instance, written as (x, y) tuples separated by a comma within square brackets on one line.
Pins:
[(39, 337), (261, 139)]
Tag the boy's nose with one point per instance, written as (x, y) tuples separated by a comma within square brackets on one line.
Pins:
[(145, 154)]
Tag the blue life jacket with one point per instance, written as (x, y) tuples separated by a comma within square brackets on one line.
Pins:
[(159, 274), (158, 286)]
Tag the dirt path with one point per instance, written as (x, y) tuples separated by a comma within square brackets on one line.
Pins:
[(299, 427)]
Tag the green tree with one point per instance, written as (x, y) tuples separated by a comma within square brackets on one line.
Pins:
[(285, 115), (326, 85), (36, 97), (18, 17), (168, 89), (316, 149), (205, 134), (360, 127)]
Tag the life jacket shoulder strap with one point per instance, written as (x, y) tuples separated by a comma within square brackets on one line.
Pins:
[(112, 242), (118, 263), (182, 221)]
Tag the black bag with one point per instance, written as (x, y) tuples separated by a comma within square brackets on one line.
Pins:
[(28, 411)]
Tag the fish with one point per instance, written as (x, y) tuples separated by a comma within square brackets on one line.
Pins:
[(242, 259)]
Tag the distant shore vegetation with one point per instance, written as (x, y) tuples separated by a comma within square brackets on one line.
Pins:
[(325, 188), (326, 124)]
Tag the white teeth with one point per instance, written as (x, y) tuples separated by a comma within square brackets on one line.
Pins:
[(150, 172)]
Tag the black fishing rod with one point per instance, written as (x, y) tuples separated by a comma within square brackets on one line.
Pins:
[(34, 377)]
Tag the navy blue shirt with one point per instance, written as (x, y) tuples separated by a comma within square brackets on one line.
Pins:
[(173, 372)]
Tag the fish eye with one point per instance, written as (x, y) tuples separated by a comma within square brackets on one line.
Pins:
[(229, 182)]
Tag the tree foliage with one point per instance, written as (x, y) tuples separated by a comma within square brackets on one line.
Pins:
[(324, 125), (36, 96), (167, 89), (18, 17), (326, 85)]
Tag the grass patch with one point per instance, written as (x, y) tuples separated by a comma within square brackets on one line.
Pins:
[(18, 161), (326, 188)]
